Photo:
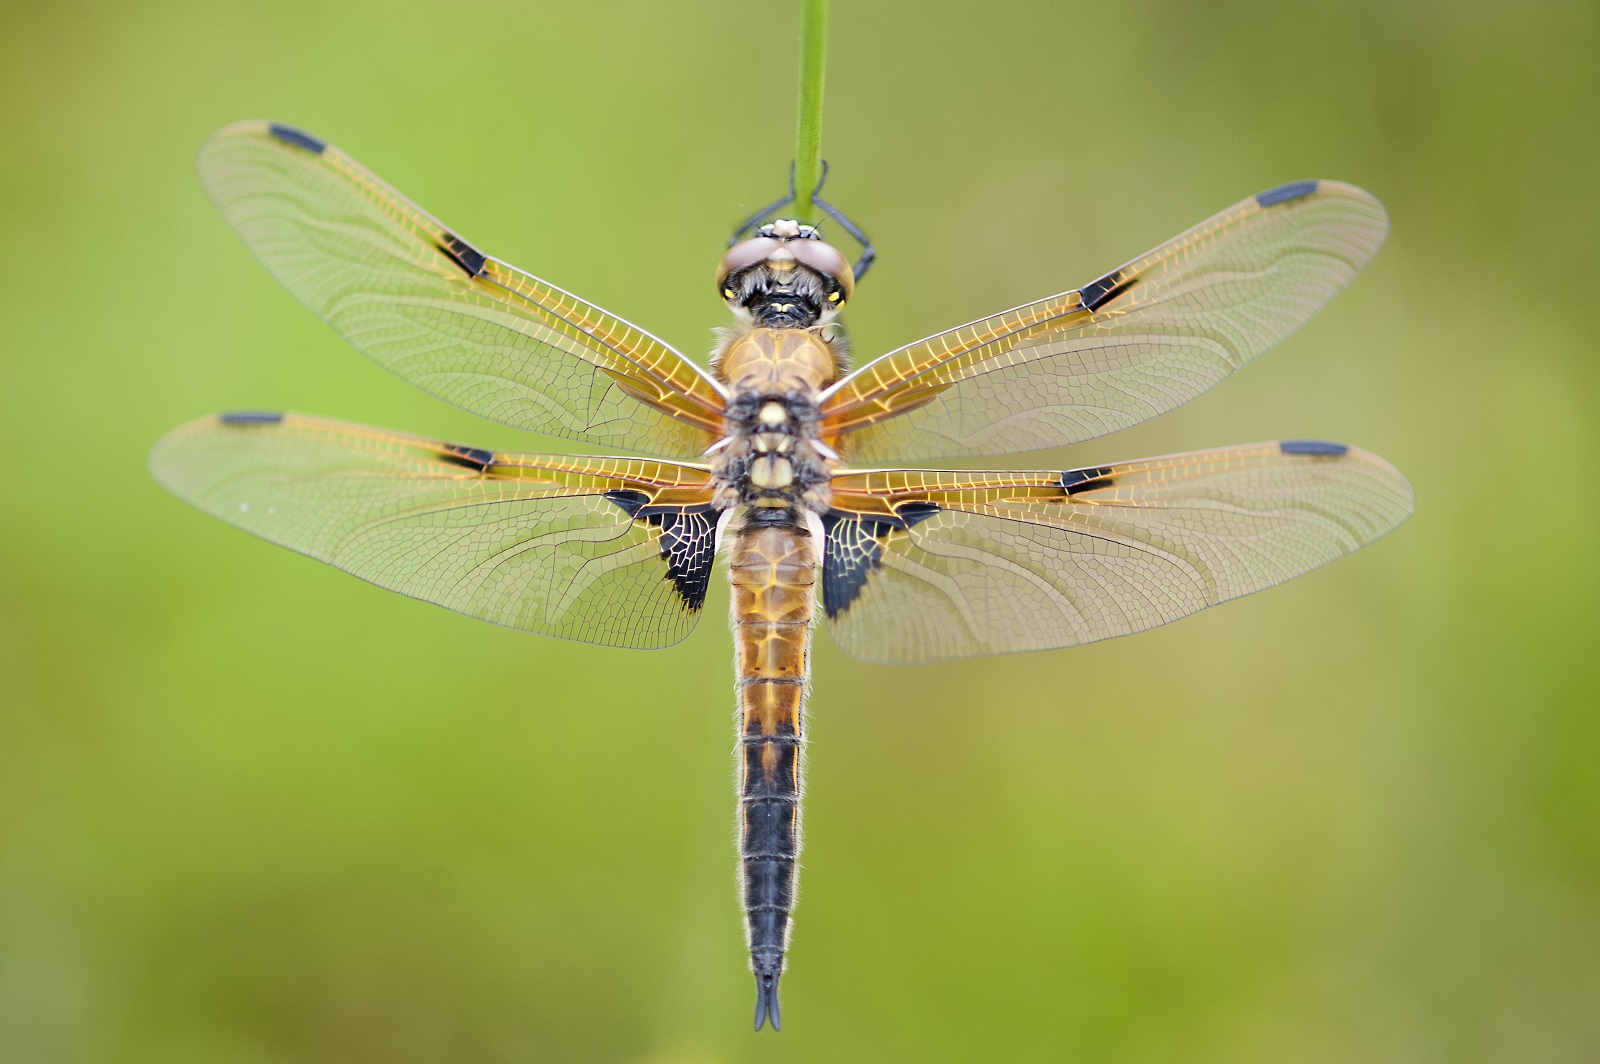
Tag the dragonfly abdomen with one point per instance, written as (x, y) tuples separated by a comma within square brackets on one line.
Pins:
[(773, 568)]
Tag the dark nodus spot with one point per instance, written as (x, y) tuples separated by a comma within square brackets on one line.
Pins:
[(470, 457), (1322, 447), (463, 254), (299, 138), (1286, 193), (914, 513), (1076, 480), (250, 417), (630, 501), (1096, 294)]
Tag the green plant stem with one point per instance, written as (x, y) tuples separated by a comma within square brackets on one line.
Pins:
[(808, 128)]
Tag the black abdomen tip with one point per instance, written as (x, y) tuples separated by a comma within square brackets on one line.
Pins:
[(298, 137), (1322, 447), (767, 1000)]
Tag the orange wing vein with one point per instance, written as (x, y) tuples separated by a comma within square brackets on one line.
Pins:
[(1136, 342), (605, 550), (927, 565), (425, 304)]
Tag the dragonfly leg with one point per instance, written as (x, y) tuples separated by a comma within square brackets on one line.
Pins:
[(752, 223), (869, 255)]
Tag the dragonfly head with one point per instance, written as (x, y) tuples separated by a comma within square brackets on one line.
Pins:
[(786, 276)]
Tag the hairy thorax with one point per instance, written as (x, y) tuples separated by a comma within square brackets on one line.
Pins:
[(772, 459)]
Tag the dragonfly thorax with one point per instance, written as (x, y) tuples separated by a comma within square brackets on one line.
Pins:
[(772, 456)]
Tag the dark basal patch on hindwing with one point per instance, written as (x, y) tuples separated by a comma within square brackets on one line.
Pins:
[(849, 555), (688, 541), (854, 548)]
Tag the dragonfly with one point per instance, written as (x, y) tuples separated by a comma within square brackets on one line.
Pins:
[(777, 459)]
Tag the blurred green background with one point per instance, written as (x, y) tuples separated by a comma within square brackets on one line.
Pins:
[(252, 810)]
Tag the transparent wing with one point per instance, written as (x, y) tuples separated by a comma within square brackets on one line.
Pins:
[(1126, 347), (423, 303), (612, 551), (925, 565)]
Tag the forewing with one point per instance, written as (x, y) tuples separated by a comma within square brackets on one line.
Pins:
[(612, 551), (430, 307), (925, 565), (1137, 342)]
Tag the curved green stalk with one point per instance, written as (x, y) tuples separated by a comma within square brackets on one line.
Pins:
[(808, 130)]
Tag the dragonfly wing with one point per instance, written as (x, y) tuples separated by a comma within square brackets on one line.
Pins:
[(423, 303), (1133, 344), (926, 565), (605, 550)]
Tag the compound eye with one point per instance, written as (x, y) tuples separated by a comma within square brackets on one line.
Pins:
[(744, 255), (828, 261)]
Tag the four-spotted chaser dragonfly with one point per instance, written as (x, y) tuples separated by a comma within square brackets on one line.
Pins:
[(914, 565)]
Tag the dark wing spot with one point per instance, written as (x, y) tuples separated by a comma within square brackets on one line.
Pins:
[(1076, 480), (1096, 294), (852, 550), (1286, 193), (250, 417), (1322, 447), (470, 457), (630, 501), (688, 541), (463, 254), (299, 138), (916, 512), (689, 546)]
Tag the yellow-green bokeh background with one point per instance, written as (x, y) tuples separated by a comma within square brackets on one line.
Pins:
[(252, 810)]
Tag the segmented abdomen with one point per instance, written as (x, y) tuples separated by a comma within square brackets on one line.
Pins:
[(774, 573)]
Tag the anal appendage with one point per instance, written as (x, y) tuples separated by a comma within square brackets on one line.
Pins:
[(767, 999)]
